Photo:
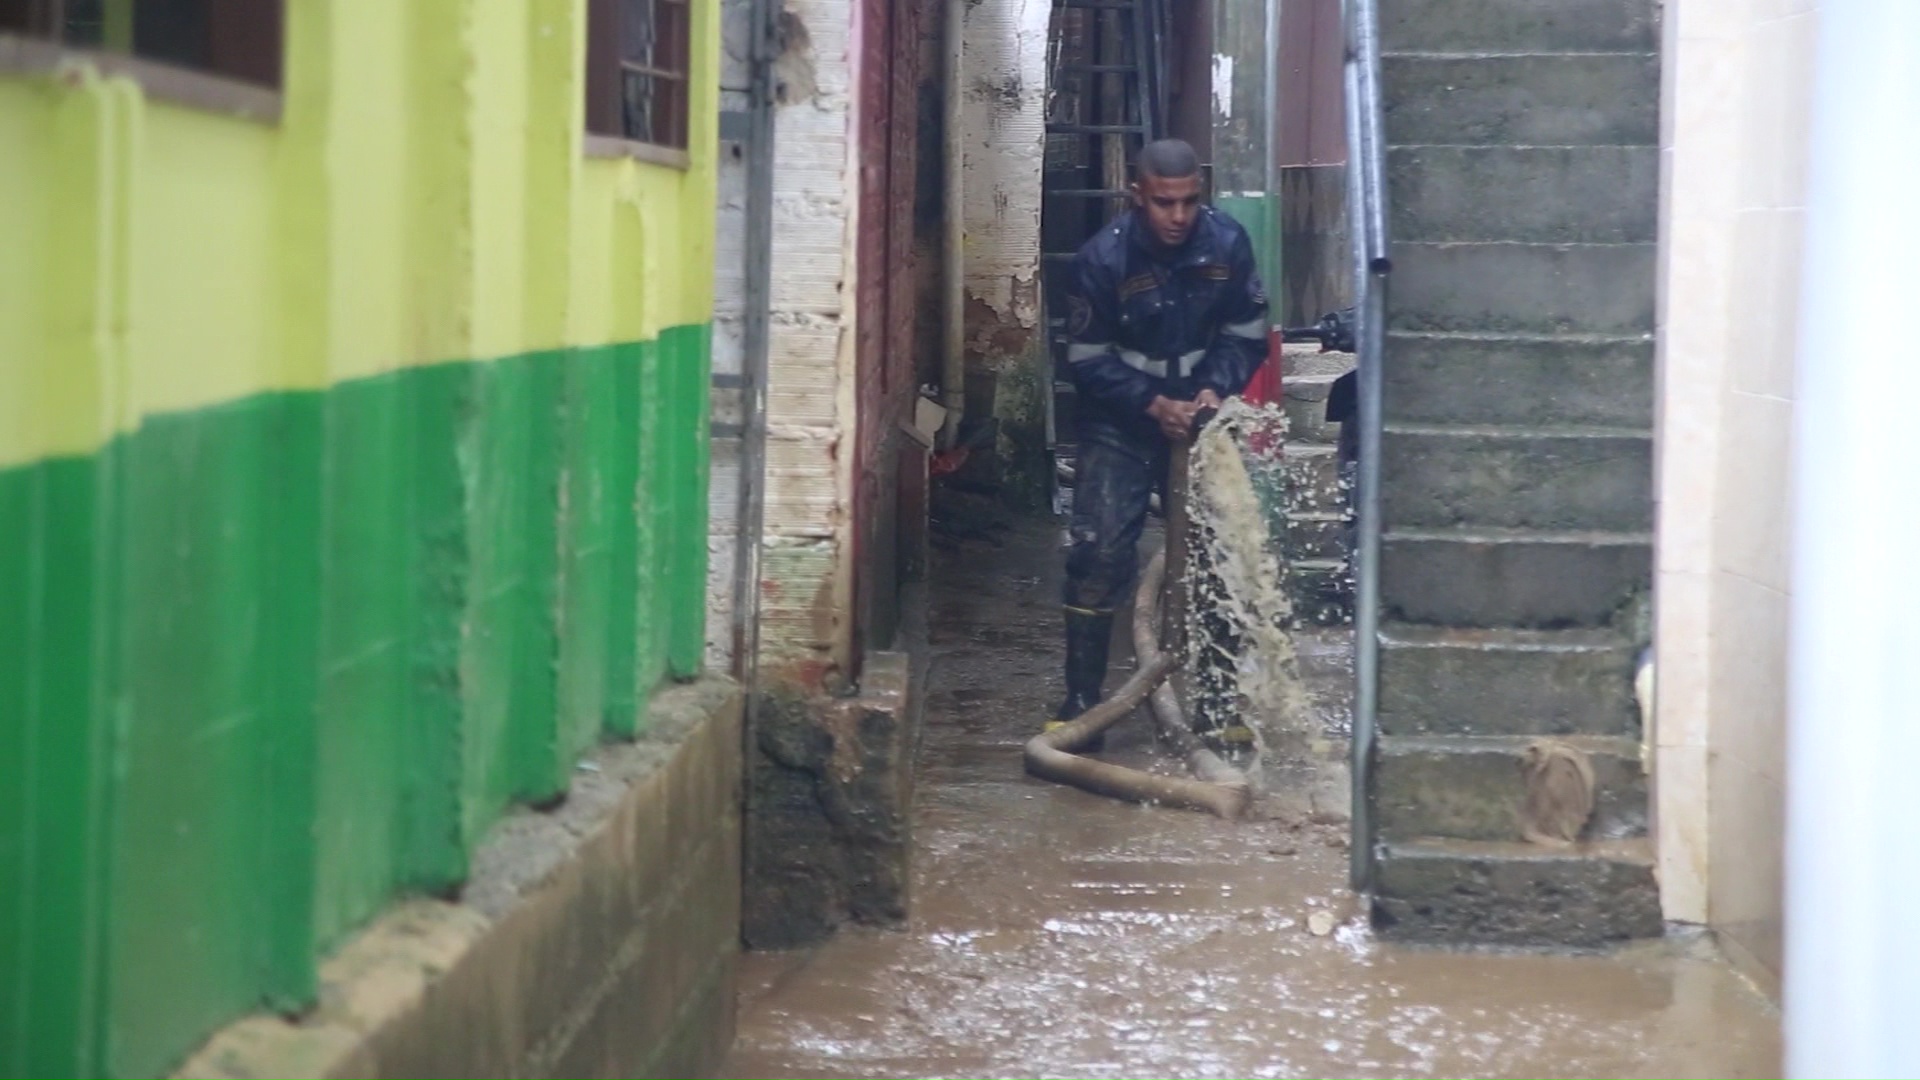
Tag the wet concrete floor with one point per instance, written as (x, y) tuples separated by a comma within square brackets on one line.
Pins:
[(1056, 933)]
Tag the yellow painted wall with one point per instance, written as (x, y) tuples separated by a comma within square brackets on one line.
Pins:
[(424, 196), (353, 482)]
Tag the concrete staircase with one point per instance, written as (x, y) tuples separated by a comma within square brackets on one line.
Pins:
[(1517, 461), (1316, 503)]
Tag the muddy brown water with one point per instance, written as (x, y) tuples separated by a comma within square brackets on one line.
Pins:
[(1055, 933)]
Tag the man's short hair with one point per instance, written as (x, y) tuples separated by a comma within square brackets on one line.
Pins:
[(1168, 159)]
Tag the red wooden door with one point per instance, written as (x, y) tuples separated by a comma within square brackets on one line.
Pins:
[(888, 79)]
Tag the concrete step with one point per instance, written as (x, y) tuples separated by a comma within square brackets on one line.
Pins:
[(1312, 476), (1322, 592), (1316, 535), (1545, 194), (1538, 99), (1518, 379), (1510, 26), (1304, 400), (1519, 578), (1521, 478), (1460, 892), (1305, 360), (1307, 423), (1471, 788), (1523, 288), (1448, 681)]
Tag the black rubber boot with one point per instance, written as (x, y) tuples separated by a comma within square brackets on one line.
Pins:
[(1089, 633)]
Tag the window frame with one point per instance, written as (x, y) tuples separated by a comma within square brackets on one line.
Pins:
[(36, 50), (605, 71), (160, 81)]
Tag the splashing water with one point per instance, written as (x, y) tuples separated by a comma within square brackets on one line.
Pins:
[(1239, 607)]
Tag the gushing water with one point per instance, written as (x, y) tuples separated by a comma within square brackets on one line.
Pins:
[(1239, 608)]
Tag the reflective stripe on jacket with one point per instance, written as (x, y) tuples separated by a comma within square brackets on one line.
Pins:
[(1143, 321)]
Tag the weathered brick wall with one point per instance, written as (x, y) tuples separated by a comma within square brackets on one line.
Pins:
[(827, 800), (810, 407), (809, 387)]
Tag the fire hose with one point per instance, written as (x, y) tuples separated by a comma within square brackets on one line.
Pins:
[(1216, 787)]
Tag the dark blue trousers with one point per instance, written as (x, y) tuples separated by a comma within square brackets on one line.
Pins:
[(1115, 476)]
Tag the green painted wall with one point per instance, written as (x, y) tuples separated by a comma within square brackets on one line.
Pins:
[(281, 659), (1259, 214)]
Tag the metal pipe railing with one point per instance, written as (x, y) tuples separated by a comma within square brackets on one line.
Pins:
[(1372, 261), (764, 47)]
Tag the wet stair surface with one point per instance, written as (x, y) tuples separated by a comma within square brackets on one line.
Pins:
[(1055, 933), (1516, 465), (1317, 500)]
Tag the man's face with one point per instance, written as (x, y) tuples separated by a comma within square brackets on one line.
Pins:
[(1171, 206)]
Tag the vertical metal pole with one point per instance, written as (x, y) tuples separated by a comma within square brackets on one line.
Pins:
[(1360, 853), (1852, 971), (1366, 26), (1367, 221), (1139, 53), (1366, 602), (756, 330), (1163, 64), (953, 373), (1270, 87)]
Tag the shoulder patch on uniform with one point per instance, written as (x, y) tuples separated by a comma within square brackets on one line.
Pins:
[(1079, 315), (1215, 271), (1137, 284)]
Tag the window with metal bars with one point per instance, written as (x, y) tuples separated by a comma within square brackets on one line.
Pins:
[(238, 39), (637, 79)]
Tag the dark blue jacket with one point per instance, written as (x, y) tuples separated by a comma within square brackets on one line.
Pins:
[(1145, 321)]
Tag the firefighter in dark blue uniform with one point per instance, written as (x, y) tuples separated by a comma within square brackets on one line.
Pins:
[(1165, 314)]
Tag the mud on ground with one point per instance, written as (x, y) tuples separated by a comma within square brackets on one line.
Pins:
[(1055, 933)]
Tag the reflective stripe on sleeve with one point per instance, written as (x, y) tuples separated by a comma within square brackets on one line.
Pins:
[(1139, 362)]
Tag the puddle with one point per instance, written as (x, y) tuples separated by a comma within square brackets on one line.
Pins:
[(1056, 933)]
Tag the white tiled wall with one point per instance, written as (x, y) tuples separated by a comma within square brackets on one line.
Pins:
[(1738, 75)]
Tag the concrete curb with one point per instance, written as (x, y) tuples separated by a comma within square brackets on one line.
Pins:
[(595, 939), (830, 831)]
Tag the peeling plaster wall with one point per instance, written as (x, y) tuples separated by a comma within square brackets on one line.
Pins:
[(1003, 80), (1004, 76)]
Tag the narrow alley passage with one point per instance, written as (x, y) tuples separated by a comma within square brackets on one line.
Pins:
[(1054, 933)]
